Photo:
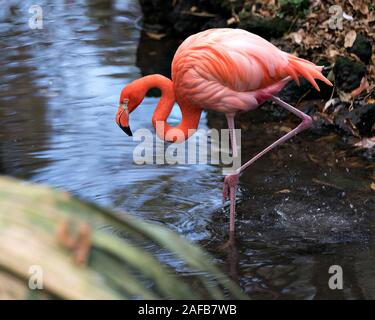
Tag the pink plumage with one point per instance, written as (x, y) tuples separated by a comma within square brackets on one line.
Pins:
[(232, 70), (226, 70)]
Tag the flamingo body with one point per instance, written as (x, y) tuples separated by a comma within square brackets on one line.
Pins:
[(226, 70), (232, 70)]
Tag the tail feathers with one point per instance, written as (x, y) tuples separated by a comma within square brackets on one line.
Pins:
[(298, 67)]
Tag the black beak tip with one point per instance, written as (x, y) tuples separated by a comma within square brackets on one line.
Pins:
[(127, 131)]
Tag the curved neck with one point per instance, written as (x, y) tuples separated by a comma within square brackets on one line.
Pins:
[(190, 114)]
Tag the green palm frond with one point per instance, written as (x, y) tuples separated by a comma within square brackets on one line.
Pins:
[(120, 264)]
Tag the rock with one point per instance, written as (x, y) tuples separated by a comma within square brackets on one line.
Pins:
[(185, 22), (265, 27), (364, 119), (186, 17), (360, 120), (362, 48), (292, 92), (294, 8), (217, 22), (191, 16), (155, 56), (156, 14), (225, 6), (348, 73)]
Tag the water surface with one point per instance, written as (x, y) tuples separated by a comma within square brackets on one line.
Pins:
[(301, 209)]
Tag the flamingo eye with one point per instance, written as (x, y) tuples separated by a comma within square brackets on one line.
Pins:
[(124, 104)]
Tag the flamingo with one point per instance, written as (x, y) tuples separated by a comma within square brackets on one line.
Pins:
[(226, 70)]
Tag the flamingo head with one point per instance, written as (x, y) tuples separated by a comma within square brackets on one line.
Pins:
[(131, 97)]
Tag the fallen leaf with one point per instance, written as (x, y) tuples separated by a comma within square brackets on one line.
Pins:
[(366, 143), (328, 138), (360, 5), (284, 191), (324, 183), (313, 158), (323, 116), (285, 129), (203, 14), (194, 9), (353, 162), (350, 38), (244, 125), (353, 128), (156, 36), (363, 86), (330, 102), (344, 96), (296, 37), (232, 20), (332, 52)]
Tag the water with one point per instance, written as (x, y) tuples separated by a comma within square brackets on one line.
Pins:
[(299, 209)]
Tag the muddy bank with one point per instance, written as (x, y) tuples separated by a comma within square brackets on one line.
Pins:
[(347, 109)]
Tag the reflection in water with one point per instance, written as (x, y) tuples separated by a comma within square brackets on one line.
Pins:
[(23, 129), (149, 51), (59, 90)]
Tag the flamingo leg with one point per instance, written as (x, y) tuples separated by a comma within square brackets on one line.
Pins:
[(231, 181), (232, 133)]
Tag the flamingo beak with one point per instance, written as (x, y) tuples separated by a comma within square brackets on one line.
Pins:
[(127, 130), (122, 118)]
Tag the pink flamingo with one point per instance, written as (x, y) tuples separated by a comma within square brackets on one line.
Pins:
[(227, 70)]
